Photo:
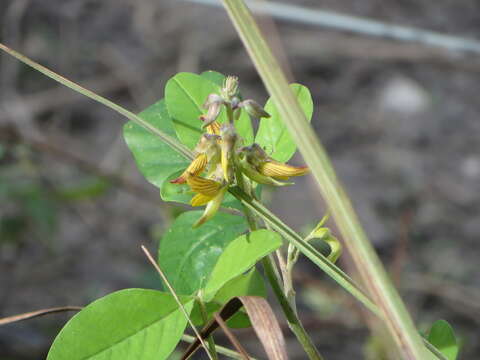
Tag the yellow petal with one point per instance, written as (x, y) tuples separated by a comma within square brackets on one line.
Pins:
[(253, 174), (280, 170), (214, 128), (195, 168), (203, 186), (212, 207), (200, 199)]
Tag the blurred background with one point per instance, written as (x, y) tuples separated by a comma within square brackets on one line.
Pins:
[(400, 121)]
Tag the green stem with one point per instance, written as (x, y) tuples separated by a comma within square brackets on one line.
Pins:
[(334, 272), (307, 249), (273, 278), (211, 340), (373, 274), (220, 349), (183, 150), (292, 318)]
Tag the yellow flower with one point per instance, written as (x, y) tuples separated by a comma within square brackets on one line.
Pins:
[(213, 128), (281, 171), (251, 172), (196, 167), (210, 193), (208, 151), (261, 168)]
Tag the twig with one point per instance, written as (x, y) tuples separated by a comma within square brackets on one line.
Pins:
[(231, 337), (180, 304), (34, 314), (220, 349)]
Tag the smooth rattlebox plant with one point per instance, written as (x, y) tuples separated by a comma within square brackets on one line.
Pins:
[(198, 147), (203, 254)]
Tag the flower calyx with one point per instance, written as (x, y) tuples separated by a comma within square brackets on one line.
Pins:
[(253, 109)]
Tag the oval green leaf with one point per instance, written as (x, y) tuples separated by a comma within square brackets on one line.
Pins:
[(185, 94), (443, 338), (128, 324), (239, 256), (155, 159), (188, 256), (214, 76), (251, 283), (272, 133)]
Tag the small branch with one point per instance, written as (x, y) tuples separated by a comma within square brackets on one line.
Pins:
[(220, 349), (231, 337), (34, 314)]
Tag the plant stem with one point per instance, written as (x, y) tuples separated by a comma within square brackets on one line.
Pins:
[(292, 318), (327, 266), (211, 341), (394, 312), (220, 349), (275, 282), (182, 149)]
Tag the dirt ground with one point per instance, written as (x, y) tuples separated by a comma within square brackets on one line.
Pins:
[(399, 120)]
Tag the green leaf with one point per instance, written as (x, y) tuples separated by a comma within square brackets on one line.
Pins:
[(251, 283), (188, 256), (185, 94), (213, 76), (272, 133), (127, 324), (155, 159), (239, 256), (443, 338)]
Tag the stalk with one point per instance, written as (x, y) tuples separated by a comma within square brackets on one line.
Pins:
[(373, 274), (290, 314), (260, 210)]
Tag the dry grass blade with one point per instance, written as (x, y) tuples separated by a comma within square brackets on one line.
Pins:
[(174, 294), (266, 326), (228, 310), (263, 321), (34, 314), (236, 344)]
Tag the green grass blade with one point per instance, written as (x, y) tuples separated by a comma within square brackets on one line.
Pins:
[(337, 274), (373, 274), (128, 114)]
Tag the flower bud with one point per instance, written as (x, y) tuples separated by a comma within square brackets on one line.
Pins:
[(212, 99), (212, 114), (254, 109), (230, 88)]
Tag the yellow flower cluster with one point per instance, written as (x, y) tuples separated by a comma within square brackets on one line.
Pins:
[(219, 155)]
